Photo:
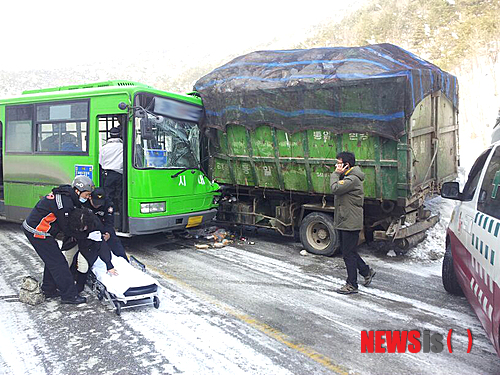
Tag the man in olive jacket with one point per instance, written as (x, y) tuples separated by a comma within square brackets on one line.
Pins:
[(347, 185)]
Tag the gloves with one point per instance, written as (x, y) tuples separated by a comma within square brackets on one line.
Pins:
[(95, 236)]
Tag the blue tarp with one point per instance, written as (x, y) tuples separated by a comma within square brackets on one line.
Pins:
[(371, 89)]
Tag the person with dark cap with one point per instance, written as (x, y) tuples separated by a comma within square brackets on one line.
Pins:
[(111, 161), (102, 207), (84, 246), (47, 219)]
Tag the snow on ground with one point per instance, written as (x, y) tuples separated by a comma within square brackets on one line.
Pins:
[(198, 340), (433, 247), (18, 337)]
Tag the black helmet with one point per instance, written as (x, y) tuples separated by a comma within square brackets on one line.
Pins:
[(115, 132), (83, 183)]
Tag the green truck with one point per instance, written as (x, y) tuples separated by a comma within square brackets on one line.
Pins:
[(275, 120)]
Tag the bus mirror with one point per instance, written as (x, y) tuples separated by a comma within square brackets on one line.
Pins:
[(146, 128)]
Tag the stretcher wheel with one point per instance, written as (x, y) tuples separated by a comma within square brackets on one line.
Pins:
[(118, 310), (156, 302)]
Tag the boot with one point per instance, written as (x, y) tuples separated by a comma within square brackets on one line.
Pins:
[(369, 277), (76, 300), (81, 278)]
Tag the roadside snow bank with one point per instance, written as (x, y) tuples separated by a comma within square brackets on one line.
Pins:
[(433, 247)]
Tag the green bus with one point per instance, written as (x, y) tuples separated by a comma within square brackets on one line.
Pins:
[(51, 135)]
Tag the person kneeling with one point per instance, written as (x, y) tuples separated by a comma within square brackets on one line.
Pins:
[(84, 246)]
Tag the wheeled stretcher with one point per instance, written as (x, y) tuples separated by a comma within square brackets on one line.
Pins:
[(130, 288)]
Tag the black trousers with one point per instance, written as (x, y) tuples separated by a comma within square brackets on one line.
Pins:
[(56, 273), (115, 245), (113, 187), (352, 260)]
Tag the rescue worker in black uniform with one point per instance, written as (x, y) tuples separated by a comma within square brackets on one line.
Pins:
[(102, 207), (47, 219), (88, 242)]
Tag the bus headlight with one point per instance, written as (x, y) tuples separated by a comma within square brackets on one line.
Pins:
[(149, 208)]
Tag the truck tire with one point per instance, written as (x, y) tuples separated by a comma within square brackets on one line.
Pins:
[(318, 235), (449, 276)]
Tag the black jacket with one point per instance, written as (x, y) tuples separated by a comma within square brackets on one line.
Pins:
[(50, 215), (88, 248), (105, 213)]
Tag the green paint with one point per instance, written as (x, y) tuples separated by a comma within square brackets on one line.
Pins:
[(23, 188), (304, 161), (496, 183)]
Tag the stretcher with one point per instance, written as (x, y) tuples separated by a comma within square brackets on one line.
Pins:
[(132, 287)]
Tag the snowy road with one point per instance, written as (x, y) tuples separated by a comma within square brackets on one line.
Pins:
[(260, 309)]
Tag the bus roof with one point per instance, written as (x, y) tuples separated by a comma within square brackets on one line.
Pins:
[(93, 89), (88, 86)]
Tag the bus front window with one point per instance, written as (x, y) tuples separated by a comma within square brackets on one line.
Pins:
[(165, 143)]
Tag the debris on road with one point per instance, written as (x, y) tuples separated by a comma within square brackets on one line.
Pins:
[(201, 246), (31, 292), (391, 253), (304, 252)]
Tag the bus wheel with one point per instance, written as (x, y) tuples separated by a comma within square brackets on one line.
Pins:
[(449, 276), (318, 235)]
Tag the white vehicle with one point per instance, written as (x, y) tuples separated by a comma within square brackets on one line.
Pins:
[(471, 264), (495, 136)]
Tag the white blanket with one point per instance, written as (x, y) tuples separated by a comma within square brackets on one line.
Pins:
[(128, 276)]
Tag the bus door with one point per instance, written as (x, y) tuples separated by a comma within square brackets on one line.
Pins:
[(2, 201), (106, 122)]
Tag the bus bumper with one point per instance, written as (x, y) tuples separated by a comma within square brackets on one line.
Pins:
[(166, 223)]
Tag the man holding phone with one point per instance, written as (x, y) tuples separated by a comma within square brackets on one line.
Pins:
[(347, 185)]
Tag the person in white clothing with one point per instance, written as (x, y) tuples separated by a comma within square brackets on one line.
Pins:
[(111, 161)]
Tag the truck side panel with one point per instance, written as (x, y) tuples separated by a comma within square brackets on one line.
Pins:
[(272, 159)]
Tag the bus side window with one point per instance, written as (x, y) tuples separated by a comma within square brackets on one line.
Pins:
[(19, 129)]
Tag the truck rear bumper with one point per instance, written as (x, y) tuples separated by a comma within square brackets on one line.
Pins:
[(165, 223)]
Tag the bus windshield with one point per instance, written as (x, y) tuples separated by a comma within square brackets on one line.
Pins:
[(163, 142)]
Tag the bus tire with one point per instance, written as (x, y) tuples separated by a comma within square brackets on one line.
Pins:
[(449, 276), (318, 235)]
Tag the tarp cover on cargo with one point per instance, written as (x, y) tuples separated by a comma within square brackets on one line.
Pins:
[(371, 89)]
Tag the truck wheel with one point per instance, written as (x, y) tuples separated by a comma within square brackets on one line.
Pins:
[(449, 276), (318, 235)]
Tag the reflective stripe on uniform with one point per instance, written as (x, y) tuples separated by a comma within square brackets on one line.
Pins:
[(44, 225), (37, 233), (59, 201)]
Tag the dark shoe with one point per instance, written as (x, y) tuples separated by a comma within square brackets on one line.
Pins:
[(52, 294), (369, 277), (81, 278), (347, 289), (76, 300)]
